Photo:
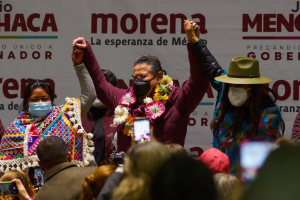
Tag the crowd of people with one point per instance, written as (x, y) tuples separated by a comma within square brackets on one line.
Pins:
[(86, 147)]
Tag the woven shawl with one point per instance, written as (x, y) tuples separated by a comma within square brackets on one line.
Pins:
[(21, 138)]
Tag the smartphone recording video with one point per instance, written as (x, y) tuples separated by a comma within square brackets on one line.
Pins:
[(37, 177), (141, 129), (253, 155), (8, 188)]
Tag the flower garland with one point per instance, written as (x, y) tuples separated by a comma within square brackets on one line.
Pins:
[(152, 108)]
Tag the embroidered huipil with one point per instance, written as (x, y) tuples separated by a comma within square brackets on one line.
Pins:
[(19, 143), (268, 128)]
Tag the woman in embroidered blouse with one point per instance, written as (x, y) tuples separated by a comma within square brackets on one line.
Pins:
[(245, 108), (39, 118)]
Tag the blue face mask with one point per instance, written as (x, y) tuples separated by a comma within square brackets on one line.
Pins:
[(40, 109)]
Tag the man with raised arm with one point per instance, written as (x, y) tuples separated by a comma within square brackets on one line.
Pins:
[(152, 95)]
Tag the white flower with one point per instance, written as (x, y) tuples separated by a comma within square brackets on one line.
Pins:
[(147, 100), (121, 114)]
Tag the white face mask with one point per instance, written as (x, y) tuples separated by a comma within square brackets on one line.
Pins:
[(238, 96), (97, 103)]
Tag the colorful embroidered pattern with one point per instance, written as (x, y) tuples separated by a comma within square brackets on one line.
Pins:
[(268, 129), (23, 135)]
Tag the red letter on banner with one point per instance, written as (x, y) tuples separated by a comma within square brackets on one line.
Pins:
[(6, 23), (49, 21), (104, 18), (30, 22), (287, 89), (143, 18), (19, 21), (23, 85), (52, 85), (257, 21), (289, 55), (277, 56), (11, 55), (296, 90), (297, 22), (7, 87), (268, 22), (173, 18), (134, 23), (288, 25), (156, 22)]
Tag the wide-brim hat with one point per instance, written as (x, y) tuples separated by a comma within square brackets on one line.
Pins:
[(243, 70)]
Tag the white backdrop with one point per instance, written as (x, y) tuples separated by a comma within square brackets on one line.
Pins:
[(221, 23)]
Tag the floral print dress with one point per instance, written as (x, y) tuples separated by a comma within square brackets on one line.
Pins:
[(268, 129)]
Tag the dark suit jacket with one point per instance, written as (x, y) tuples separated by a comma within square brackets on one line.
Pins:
[(63, 182)]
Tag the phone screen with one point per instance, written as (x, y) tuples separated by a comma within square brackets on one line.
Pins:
[(253, 155), (8, 188), (141, 129), (37, 177)]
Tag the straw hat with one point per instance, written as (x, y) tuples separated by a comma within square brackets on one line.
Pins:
[(243, 70)]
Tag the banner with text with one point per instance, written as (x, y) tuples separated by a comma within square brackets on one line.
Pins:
[(36, 37)]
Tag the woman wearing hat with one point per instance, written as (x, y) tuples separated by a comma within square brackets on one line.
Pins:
[(245, 108)]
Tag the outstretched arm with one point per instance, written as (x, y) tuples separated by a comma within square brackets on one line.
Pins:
[(88, 93), (195, 87), (207, 61), (106, 92)]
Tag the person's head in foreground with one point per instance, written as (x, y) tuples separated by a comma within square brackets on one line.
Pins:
[(279, 177), (183, 178), (141, 164), (176, 150), (228, 186), (93, 184), (215, 160), (245, 89), (52, 151), (20, 175), (38, 98)]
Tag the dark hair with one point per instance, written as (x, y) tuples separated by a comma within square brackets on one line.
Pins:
[(183, 178), (153, 61), (260, 99), (51, 151), (31, 86), (110, 77)]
